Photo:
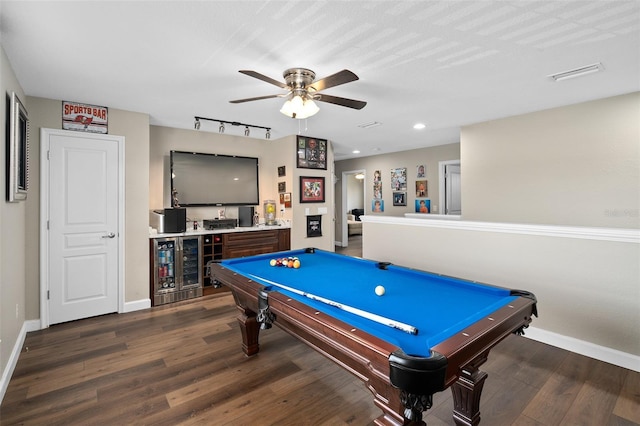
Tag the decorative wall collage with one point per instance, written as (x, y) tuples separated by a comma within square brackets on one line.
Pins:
[(399, 189)]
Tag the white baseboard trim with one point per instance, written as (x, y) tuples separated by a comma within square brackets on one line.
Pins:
[(601, 353), (13, 360), (136, 305)]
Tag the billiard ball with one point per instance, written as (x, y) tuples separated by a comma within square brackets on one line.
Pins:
[(379, 290), (296, 264), (272, 262)]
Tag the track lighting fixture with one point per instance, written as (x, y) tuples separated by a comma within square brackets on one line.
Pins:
[(221, 128)]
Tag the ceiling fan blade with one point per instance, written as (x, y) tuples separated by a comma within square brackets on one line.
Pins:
[(263, 77), (258, 98), (350, 103), (341, 77)]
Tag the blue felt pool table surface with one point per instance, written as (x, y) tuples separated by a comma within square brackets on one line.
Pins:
[(438, 306)]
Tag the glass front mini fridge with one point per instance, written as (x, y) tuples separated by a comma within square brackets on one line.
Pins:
[(177, 269)]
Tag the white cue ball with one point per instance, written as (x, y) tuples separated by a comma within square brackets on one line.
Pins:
[(379, 290)]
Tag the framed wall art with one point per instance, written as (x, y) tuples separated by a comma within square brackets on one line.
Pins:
[(421, 188), (282, 171), (314, 226), (17, 150), (285, 200), (399, 198), (311, 153), (85, 118), (399, 179), (311, 189), (282, 187), (423, 206)]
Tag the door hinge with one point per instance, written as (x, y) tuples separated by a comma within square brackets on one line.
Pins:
[(48, 155), (47, 225), (47, 294)]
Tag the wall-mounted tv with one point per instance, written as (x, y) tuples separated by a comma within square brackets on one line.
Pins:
[(214, 180)]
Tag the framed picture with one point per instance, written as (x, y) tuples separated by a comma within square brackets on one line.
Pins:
[(17, 150), (311, 153), (314, 226), (399, 179), (421, 171), (399, 198), (282, 171), (377, 206), (282, 186), (421, 188), (423, 206), (311, 189), (285, 200)]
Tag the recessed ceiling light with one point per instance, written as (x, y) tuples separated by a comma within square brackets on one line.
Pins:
[(419, 126), (576, 72), (355, 151)]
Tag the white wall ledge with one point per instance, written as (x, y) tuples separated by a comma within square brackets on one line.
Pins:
[(602, 234)]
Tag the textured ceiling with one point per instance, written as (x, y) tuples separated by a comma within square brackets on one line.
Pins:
[(442, 63)]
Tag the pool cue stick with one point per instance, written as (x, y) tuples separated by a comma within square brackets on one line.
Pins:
[(368, 315)]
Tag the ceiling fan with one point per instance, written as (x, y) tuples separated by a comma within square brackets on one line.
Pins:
[(303, 90)]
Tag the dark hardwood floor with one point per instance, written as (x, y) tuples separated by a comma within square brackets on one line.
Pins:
[(183, 364)]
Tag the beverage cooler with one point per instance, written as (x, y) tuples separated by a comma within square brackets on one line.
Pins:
[(177, 269)]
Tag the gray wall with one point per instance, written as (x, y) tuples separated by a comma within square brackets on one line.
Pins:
[(550, 205), (577, 165)]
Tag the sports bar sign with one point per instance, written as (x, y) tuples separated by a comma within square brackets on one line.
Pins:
[(83, 117)]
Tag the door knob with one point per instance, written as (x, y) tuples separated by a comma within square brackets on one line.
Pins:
[(109, 235)]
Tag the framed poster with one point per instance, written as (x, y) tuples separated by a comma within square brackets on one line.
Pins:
[(83, 117), (421, 188), (285, 200), (311, 153), (399, 198), (399, 179), (282, 171), (311, 189), (377, 206), (282, 187), (423, 206), (17, 151), (314, 226)]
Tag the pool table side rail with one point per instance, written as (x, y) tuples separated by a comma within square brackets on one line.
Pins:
[(463, 348)]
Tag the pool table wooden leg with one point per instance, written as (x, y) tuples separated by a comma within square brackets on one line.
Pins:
[(250, 329), (466, 393)]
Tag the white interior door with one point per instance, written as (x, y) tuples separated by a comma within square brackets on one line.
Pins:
[(453, 204), (83, 220)]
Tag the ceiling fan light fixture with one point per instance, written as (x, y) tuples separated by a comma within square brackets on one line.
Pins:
[(299, 108)]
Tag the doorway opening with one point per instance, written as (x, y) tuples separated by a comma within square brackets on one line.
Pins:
[(450, 199), (353, 184)]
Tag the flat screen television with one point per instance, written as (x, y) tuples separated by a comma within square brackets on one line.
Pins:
[(214, 180)]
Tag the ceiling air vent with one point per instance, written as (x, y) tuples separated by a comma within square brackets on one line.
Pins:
[(577, 72), (369, 125)]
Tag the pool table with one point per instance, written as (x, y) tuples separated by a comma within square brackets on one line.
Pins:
[(425, 333)]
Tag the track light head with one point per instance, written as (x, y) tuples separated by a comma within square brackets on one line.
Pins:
[(196, 125), (246, 130), (221, 128), (268, 134)]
